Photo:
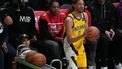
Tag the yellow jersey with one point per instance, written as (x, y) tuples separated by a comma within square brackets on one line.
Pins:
[(75, 52), (79, 27)]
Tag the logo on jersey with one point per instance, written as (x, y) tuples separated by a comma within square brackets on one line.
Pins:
[(53, 27), (77, 28), (25, 19), (1, 27)]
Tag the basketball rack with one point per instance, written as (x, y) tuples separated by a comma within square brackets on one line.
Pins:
[(23, 64)]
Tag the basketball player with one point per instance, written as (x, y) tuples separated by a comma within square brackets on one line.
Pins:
[(76, 24)]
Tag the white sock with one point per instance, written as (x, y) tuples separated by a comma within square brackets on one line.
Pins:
[(119, 66), (103, 67)]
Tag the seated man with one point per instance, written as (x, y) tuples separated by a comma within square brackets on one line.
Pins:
[(51, 33)]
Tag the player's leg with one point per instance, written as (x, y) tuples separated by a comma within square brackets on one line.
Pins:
[(81, 59)]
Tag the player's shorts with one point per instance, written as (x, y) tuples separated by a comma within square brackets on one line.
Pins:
[(76, 60)]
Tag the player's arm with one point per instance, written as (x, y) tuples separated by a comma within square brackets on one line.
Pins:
[(69, 24)]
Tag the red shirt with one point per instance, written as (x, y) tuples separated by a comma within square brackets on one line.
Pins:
[(55, 23)]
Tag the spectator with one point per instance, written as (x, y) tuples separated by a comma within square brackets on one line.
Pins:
[(23, 21), (51, 33), (4, 20), (23, 48), (103, 17), (2, 40), (118, 36)]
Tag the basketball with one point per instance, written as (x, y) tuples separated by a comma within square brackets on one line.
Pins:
[(30, 55), (92, 33), (38, 60)]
